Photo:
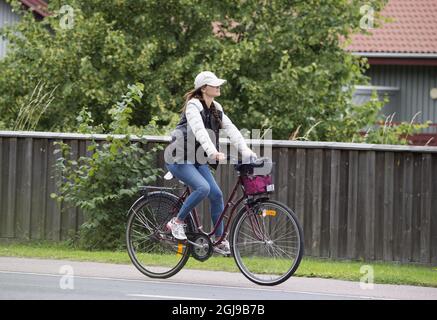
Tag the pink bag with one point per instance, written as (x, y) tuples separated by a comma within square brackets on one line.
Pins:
[(257, 184)]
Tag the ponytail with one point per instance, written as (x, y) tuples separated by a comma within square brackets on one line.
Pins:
[(216, 115), (197, 93), (194, 93)]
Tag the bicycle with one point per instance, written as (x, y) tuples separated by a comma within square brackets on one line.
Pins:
[(266, 238)]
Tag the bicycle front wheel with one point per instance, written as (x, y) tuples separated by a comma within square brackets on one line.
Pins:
[(267, 242), (151, 247)]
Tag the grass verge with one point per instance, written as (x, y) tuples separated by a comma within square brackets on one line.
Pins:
[(384, 273)]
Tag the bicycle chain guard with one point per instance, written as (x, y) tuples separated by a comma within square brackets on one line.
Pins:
[(203, 248)]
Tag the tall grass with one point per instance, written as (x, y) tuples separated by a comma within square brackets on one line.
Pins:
[(31, 111)]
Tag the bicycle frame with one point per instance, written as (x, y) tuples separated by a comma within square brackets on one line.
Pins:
[(229, 204), (254, 231)]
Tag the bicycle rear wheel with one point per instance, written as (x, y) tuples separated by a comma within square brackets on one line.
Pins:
[(151, 247), (267, 242)]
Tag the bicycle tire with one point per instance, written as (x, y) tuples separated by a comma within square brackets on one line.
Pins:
[(166, 200), (237, 247)]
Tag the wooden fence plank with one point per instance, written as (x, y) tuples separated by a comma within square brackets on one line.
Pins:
[(308, 200), (70, 213), (369, 208), (35, 194), (27, 186), (379, 205), (343, 198), (39, 188), (83, 152), (2, 200), (433, 246), (426, 176), (407, 209), (335, 203), (25, 191), (326, 196), (388, 206), (88, 145), (352, 205), (397, 206), (12, 190), (20, 215), (291, 179), (282, 174), (361, 201), (316, 209), (300, 185), (44, 183), (4, 169), (417, 208), (53, 220)]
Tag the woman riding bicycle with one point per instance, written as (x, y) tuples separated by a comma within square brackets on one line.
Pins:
[(196, 142)]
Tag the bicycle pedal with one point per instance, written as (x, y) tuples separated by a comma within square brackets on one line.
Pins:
[(222, 253)]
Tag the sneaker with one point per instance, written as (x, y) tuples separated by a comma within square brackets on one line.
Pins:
[(177, 229), (223, 248)]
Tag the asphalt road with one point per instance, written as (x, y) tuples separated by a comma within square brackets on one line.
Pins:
[(37, 279), (38, 286)]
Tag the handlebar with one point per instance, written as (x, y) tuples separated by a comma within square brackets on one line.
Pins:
[(256, 162)]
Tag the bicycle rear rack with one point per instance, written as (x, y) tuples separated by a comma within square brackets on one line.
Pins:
[(144, 190)]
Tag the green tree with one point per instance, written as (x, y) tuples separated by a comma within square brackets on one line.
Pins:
[(284, 61), (289, 70)]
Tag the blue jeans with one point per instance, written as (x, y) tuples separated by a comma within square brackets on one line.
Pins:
[(202, 183)]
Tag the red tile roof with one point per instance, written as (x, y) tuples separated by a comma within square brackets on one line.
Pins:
[(38, 6), (414, 29)]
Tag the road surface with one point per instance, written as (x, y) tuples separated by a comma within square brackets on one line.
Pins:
[(22, 278)]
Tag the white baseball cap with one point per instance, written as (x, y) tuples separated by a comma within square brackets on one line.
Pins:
[(209, 78)]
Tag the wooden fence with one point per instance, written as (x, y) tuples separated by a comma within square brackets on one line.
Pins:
[(354, 201)]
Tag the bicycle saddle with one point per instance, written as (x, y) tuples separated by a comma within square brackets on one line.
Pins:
[(169, 176)]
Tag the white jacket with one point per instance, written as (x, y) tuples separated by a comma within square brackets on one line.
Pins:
[(195, 123)]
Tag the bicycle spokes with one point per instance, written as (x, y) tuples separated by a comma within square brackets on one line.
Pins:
[(151, 246), (267, 242), (257, 227)]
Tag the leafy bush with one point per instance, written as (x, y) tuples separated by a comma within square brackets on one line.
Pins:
[(389, 133), (104, 183), (378, 129)]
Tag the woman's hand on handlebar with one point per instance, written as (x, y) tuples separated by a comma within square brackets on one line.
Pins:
[(219, 156), (248, 156)]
